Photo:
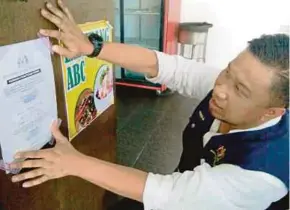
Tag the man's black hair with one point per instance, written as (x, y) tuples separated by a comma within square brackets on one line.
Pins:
[(273, 51)]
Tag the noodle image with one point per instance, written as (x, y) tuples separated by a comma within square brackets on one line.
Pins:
[(85, 111)]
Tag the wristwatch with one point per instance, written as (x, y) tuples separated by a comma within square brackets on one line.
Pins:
[(97, 42)]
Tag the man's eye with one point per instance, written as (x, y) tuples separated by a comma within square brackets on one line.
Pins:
[(240, 92), (237, 88)]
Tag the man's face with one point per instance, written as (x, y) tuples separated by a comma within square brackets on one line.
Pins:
[(242, 92)]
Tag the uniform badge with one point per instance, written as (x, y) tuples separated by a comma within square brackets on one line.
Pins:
[(218, 154)]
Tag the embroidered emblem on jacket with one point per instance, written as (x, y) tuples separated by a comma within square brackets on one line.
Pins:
[(201, 116), (218, 154)]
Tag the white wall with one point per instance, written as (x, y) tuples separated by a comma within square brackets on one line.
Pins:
[(235, 22)]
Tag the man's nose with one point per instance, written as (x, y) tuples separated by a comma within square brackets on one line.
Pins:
[(220, 92)]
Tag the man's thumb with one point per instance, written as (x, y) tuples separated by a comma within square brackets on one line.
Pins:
[(56, 132)]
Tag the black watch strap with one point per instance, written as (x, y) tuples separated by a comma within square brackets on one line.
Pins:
[(97, 42)]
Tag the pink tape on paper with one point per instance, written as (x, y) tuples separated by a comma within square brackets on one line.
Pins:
[(46, 42)]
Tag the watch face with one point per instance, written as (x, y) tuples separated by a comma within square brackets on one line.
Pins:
[(95, 38)]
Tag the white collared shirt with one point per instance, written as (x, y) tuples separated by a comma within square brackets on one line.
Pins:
[(216, 124), (221, 187)]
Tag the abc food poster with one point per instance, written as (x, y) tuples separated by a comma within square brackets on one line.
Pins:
[(88, 83)]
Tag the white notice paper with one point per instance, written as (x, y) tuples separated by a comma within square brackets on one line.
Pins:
[(27, 97)]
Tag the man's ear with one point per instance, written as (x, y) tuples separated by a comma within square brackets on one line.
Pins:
[(272, 113)]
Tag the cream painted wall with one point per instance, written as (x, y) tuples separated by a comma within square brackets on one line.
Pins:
[(235, 22)]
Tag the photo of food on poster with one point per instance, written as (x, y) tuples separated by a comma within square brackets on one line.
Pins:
[(88, 83)]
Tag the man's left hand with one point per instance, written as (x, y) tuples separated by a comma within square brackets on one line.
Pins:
[(57, 162)]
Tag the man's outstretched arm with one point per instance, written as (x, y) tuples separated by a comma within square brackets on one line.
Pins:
[(177, 73), (221, 187), (63, 160)]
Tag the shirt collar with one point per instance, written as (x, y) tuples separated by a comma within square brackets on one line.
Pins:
[(216, 124), (260, 127)]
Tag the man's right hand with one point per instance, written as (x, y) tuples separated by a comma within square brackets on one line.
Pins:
[(75, 42)]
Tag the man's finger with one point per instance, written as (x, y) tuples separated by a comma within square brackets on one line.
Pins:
[(55, 10), (28, 175), (52, 33), (63, 51), (65, 10), (41, 163), (32, 154), (52, 18), (56, 132), (36, 181)]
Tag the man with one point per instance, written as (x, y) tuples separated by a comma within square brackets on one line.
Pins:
[(235, 146)]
